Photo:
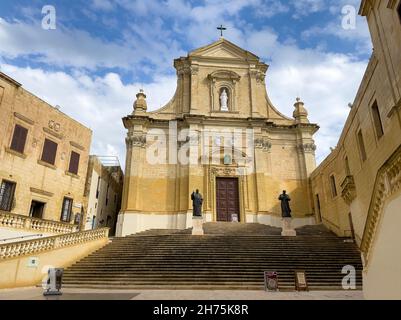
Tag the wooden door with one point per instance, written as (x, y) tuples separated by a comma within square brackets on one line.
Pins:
[(227, 198)]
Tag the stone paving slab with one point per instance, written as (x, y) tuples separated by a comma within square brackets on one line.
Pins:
[(34, 293)]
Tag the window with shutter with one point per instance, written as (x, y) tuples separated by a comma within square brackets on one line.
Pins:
[(49, 151), (333, 186), (66, 210), (19, 138), (361, 144), (399, 11), (377, 120), (74, 163), (7, 190)]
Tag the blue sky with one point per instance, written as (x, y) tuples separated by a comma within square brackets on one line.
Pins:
[(103, 51)]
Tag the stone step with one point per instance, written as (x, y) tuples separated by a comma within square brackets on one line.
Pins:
[(175, 259)]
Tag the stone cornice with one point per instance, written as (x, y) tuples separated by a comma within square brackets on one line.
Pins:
[(54, 134), (9, 79), (23, 118), (77, 145), (41, 192)]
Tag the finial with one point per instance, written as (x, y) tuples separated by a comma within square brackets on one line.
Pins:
[(140, 105), (300, 113)]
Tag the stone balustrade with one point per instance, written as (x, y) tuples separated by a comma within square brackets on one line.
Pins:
[(16, 221), (23, 248)]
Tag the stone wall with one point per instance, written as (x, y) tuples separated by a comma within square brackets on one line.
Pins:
[(34, 179)]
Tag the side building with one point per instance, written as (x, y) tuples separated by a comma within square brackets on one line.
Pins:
[(103, 191), (43, 157), (357, 189)]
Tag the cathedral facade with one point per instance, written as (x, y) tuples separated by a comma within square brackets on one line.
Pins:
[(220, 134)]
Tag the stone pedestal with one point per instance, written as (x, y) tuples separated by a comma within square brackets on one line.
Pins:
[(197, 223), (287, 231)]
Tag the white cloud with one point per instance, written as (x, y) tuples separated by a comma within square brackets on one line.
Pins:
[(306, 7), (97, 102), (106, 5), (270, 8), (359, 35), (78, 49), (326, 82)]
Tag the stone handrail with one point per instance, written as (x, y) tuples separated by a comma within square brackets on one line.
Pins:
[(23, 248), (388, 182), (17, 221)]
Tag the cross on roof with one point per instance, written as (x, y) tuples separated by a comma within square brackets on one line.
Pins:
[(221, 28)]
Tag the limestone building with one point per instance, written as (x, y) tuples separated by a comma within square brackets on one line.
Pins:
[(220, 134), (103, 190), (43, 157), (356, 190)]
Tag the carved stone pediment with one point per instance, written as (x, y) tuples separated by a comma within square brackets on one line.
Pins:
[(224, 75)]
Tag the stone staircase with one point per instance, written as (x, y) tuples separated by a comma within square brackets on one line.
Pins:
[(229, 256)]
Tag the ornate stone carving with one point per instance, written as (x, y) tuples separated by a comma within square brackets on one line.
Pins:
[(136, 140), (194, 70), (226, 171), (262, 143), (307, 147), (348, 189), (51, 130), (258, 75), (54, 125)]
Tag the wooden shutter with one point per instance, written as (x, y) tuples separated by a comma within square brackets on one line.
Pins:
[(74, 163), (49, 151), (7, 190), (399, 11), (362, 146), (377, 120), (333, 186), (19, 139), (66, 210)]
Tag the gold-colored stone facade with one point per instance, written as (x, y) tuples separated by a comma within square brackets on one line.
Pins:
[(381, 84), (35, 179), (282, 154)]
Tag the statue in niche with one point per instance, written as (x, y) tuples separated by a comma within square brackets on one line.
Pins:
[(224, 100)]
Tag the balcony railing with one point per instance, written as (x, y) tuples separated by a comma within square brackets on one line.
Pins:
[(23, 248), (17, 221)]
